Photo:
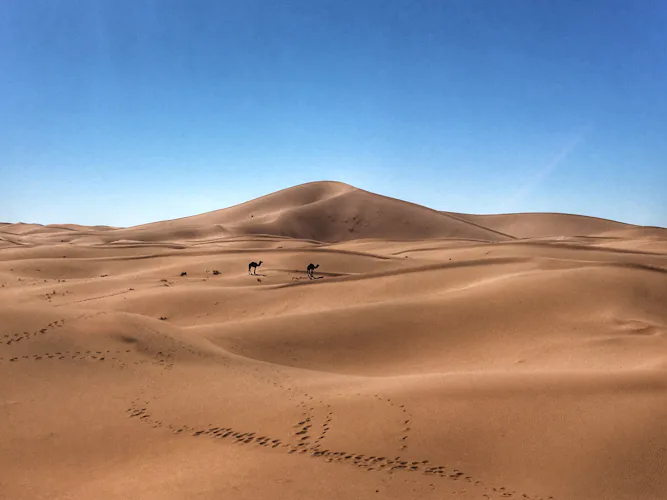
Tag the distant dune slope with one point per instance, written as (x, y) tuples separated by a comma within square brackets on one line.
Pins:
[(327, 212), (332, 212), (540, 225), (638, 232)]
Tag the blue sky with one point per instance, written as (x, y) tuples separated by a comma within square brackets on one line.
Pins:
[(124, 112)]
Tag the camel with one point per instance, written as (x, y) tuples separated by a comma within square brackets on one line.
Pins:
[(310, 269), (254, 266)]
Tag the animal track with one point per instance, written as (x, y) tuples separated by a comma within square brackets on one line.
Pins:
[(8, 339), (405, 417), (18, 337), (116, 357), (367, 462), (107, 355), (307, 436), (307, 440)]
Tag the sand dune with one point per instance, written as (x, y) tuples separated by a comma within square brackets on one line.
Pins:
[(319, 211), (539, 225), (440, 355)]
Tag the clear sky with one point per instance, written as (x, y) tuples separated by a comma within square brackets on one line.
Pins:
[(122, 112)]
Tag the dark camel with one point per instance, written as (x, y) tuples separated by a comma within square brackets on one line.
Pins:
[(254, 266), (310, 269)]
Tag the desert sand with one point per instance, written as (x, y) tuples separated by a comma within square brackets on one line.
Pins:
[(439, 355)]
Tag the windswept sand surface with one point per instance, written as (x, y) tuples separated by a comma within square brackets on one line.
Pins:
[(441, 356)]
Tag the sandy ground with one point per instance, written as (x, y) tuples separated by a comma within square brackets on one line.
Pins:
[(440, 355)]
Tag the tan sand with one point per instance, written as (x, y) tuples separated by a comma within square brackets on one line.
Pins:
[(441, 355)]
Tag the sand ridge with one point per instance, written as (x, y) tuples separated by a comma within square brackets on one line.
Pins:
[(438, 355)]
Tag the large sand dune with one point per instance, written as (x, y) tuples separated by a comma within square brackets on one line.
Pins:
[(440, 355)]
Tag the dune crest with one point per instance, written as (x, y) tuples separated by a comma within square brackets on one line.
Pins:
[(330, 212)]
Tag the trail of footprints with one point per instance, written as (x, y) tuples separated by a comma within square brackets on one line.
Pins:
[(308, 436), (307, 428), (405, 418), (306, 446), (9, 339), (307, 439), (116, 357)]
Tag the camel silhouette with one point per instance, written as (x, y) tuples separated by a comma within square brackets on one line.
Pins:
[(254, 266), (309, 270)]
